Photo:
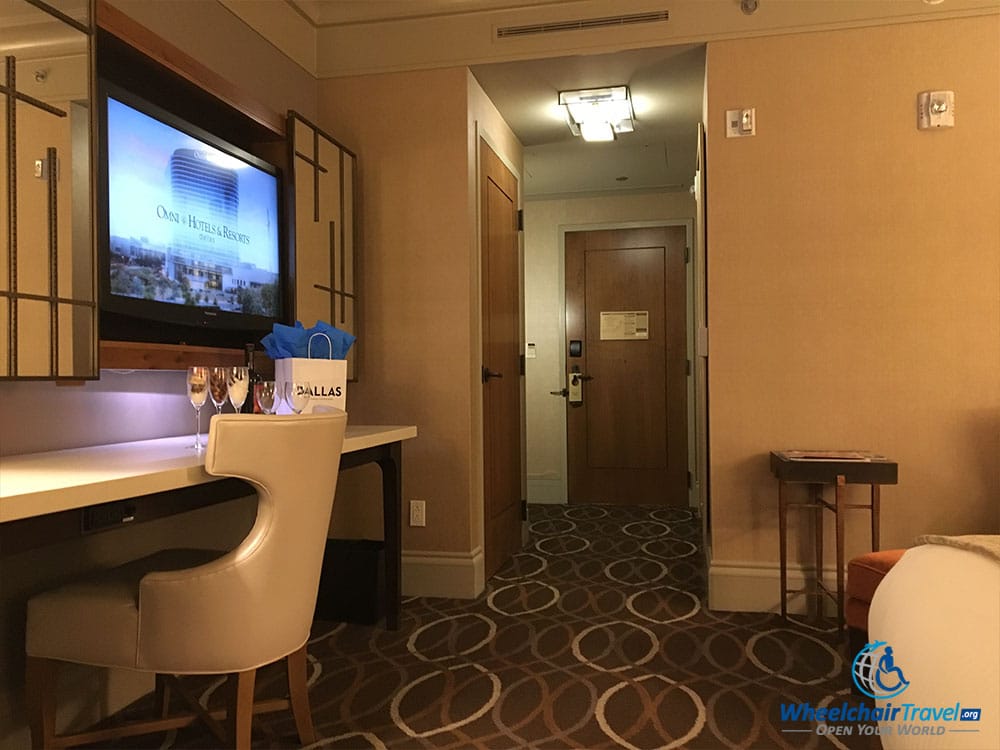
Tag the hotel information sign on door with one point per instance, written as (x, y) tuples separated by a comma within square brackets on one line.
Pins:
[(627, 325)]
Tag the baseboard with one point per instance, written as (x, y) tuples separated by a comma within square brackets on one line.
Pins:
[(546, 491), (453, 575), (751, 586)]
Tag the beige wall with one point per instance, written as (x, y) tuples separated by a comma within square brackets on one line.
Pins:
[(854, 274), (544, 284), (419, 335), (415, 319)]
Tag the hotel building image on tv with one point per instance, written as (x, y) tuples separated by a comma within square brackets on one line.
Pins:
[(189, 224)]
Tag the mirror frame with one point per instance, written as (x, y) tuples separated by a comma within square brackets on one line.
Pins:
[(84, 351)]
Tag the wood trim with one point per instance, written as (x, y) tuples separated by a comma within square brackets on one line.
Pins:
[(128, 355), (115, 22), (293, 115), (148, 356)]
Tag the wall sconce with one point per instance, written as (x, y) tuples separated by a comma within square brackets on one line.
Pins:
[(598, 114)]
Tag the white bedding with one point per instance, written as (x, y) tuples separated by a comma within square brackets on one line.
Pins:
[(939, 610)]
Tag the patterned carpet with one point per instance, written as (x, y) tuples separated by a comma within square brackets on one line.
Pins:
[(595, 636)]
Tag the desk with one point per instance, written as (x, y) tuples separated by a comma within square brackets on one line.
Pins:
[(44, 497), (816, 469)]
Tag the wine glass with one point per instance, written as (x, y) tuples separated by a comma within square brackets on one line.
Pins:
[(197, 390), (238, 383), (266, 396), (297, 395), (218, 386)]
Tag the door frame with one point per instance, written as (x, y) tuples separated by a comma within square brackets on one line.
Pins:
[(696, 435)]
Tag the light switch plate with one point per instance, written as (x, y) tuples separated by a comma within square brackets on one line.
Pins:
[(741, 123), (418, 513)]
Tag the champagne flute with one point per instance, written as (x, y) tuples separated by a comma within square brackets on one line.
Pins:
[(218, 386), (266, 397), (297, 395), (238, 382), (197, 390)]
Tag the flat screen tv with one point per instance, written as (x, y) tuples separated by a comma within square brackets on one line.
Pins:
[(190, 245)]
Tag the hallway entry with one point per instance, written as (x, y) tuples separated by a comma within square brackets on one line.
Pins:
[(625, 347)]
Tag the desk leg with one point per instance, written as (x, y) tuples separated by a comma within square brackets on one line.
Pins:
[(392, 510), (841, 506), (782, 542), (875, 517), (817, 497)]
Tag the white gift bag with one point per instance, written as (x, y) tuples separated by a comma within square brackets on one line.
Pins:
[(327, 379)]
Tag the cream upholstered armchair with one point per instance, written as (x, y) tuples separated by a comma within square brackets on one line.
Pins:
[(207, 612)]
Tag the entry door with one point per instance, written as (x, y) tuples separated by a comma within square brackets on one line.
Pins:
[(625, 340), (501, 361)]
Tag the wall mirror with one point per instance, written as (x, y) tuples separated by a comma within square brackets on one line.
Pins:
[(48, 316)]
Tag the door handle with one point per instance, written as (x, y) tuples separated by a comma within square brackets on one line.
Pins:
[(487, 374), (564, 392)]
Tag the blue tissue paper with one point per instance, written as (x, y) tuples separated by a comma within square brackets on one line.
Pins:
[(293, 341)]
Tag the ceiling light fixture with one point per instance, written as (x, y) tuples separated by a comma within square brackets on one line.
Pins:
[(598, 114)]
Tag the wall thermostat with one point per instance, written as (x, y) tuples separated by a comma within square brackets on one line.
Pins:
[(741, 122)]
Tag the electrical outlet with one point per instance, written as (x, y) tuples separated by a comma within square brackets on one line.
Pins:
[(418, 513)]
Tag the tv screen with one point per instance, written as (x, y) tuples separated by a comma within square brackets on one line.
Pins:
[(191, 237)]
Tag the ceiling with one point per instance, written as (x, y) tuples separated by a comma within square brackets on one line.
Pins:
[(666, 85), (359, 37), (334, 12)]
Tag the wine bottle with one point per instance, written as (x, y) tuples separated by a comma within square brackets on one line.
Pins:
[(250, 406)]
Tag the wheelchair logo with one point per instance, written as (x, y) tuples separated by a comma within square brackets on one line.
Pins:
[(875, 672)]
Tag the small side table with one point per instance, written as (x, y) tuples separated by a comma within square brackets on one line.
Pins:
[(817, 469)]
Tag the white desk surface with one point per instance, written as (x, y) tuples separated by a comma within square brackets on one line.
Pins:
[(33, 484)]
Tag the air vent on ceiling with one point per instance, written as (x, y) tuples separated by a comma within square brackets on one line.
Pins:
[(506, 32)]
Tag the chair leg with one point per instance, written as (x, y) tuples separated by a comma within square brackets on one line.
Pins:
[(40, 696), (298, 692), (239, 713), (162, 695)]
